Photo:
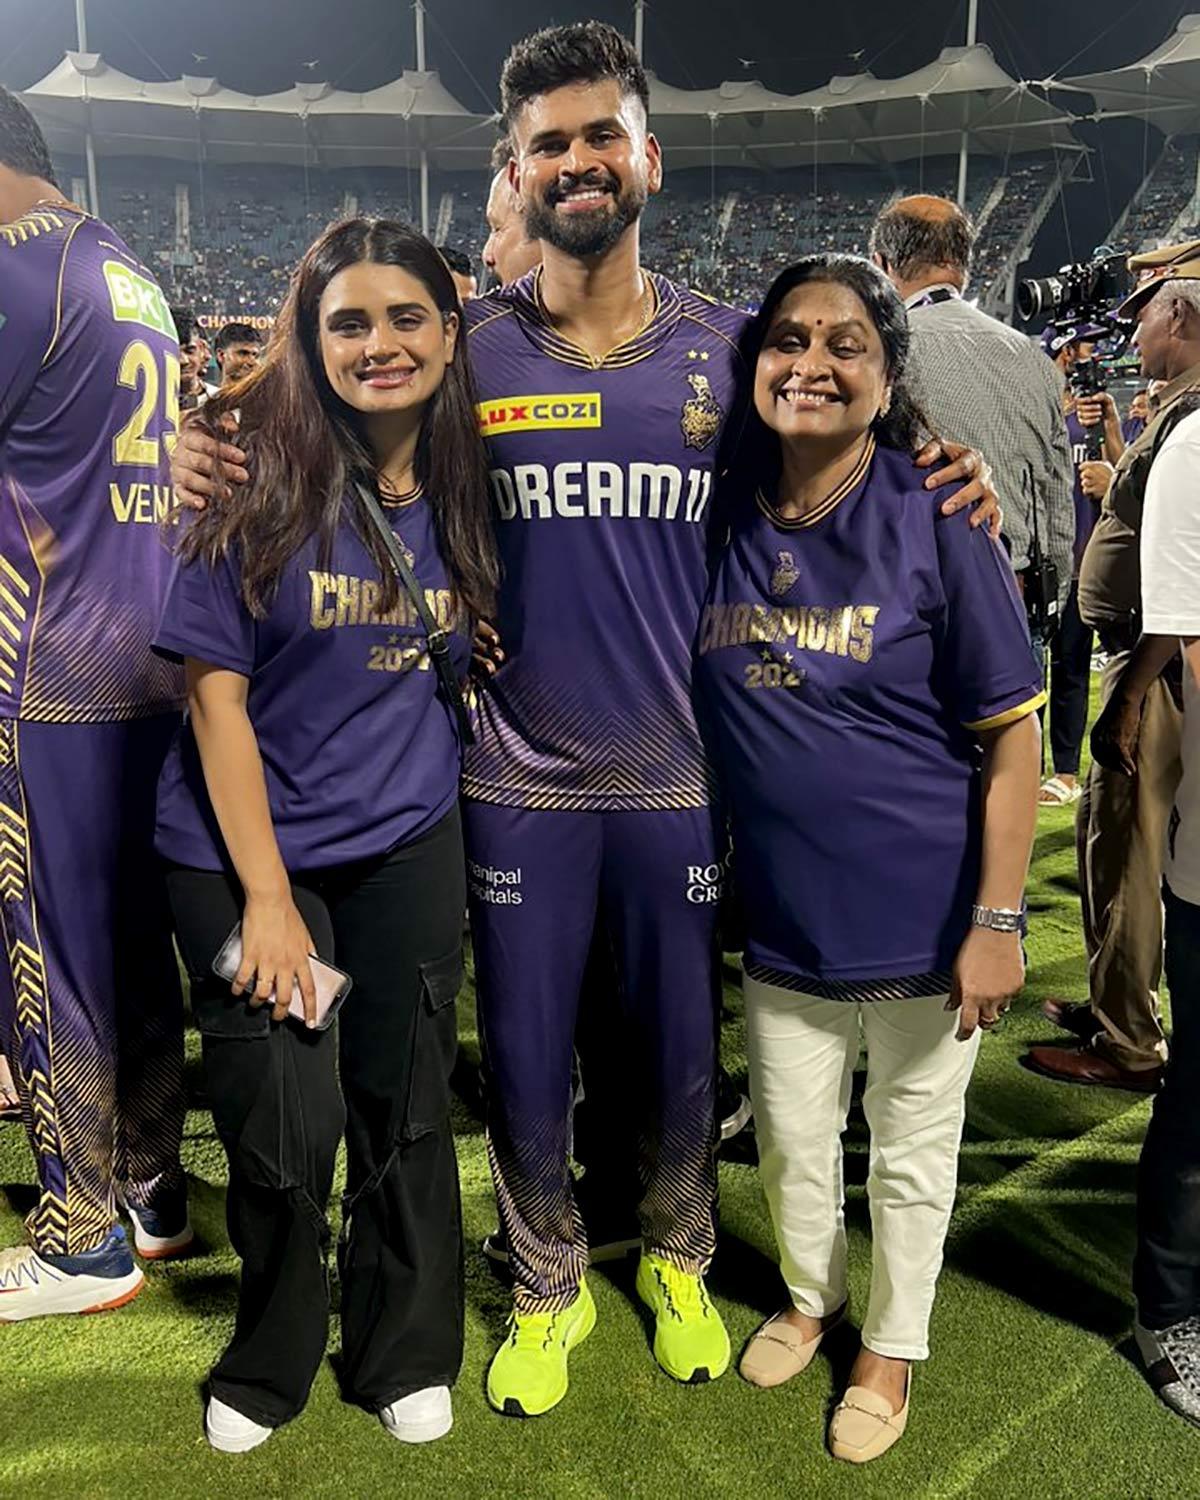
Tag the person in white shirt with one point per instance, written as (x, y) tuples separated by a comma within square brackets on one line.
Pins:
[(1167, 1263)]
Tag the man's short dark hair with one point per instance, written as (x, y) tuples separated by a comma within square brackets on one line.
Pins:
[(583, 52), (185, 325), (456, 260), (22, 144), (236, 333), (910, 243), (502, 154)]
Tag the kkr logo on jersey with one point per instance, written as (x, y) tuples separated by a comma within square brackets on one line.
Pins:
[(539, 413), (137, 299), (702, 415), (785, 575)]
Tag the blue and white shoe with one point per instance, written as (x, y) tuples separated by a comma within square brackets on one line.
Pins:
[(39, 1286), (164, 1231)]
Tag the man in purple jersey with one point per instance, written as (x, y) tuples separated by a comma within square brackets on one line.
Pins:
[(90, 1009), (605, 391)]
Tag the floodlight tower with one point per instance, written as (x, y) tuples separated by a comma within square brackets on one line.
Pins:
[(419, 14), (89, 145), (639, 28), (972, 35)]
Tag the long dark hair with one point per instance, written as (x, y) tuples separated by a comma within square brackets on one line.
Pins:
[(304, 444), (904, 427)]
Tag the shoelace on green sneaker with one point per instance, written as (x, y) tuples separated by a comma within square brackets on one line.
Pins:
[(531, 1330), (684, 1295)]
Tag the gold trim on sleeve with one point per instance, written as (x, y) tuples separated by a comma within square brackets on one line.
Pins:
[(1010, 715)]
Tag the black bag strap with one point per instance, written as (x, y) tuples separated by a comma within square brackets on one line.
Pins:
[(437, 639)]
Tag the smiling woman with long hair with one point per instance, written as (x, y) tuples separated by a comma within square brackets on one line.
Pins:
[(313, 797), (874, 694)]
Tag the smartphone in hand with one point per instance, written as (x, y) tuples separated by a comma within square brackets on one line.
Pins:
[(332, 985)]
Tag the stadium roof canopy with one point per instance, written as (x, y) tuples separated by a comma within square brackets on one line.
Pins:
[(1163, 87), (862, 118), (858, 119), (310, 122)]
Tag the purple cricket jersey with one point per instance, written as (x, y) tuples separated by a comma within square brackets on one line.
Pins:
[(1086, 511), (360, 752), (602, 473), (847, 659), (89, 405)]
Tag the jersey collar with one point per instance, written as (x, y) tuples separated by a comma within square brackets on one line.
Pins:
[(537, 327), (831, 501)]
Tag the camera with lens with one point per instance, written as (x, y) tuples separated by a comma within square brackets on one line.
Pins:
[(1082, 293), (1078, 293)]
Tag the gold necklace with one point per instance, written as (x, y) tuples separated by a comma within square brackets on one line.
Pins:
[(645, 307)]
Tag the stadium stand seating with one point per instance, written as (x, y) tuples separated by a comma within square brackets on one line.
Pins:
[(1163, 197), (226, 246)]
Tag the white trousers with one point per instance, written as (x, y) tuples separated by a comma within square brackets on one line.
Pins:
[(802, 1053)]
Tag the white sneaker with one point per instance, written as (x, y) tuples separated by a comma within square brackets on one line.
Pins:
[(229, 1432), (151, 1246), (422, 1417), (34, 1287)]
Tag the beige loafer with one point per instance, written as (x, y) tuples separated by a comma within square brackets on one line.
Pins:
[(776, 1352), (864, 1425)]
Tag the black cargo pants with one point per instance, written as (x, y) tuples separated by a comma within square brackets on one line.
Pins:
[(394, 924)]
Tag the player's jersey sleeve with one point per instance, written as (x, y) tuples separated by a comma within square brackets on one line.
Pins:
[(28, 284), (204, 617), (986, 667)]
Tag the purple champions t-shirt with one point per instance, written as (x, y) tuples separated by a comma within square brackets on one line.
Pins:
[(1086, 511), (602, 474), (359, 748), (89, 404), (847, 661)]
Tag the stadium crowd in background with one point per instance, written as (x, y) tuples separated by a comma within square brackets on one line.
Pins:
[(688, 507)]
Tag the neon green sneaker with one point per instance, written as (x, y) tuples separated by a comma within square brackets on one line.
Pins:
[(690, 1341), (528, 1374)]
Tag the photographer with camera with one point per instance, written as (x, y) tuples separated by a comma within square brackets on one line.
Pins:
[(1094, 433), (1121, 830), (986, 384)]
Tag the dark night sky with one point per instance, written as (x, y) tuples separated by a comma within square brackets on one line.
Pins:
[(262, 45)]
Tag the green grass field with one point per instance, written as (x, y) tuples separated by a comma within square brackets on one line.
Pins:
[(1030, 1393)]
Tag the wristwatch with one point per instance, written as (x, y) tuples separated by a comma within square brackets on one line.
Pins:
[(1001, 918)]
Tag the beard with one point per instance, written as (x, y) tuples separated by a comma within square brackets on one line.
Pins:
[(589, 232)]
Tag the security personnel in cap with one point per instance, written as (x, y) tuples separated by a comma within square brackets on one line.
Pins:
[(1122, 821)]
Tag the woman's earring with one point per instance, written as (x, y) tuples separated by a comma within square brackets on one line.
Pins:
[(885, 405)]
